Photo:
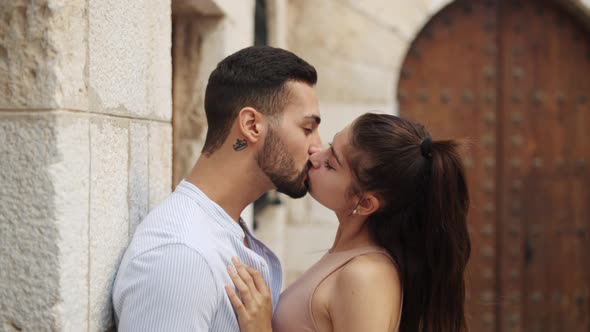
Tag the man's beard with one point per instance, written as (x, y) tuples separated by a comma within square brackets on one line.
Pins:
[(280, 167)]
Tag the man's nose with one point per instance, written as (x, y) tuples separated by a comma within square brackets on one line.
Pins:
[(316, 145), (315, 159)]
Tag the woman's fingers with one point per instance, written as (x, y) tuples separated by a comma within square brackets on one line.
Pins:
[(244, 275), (258, 281), (247, 297), (252, 301), (235, 301)]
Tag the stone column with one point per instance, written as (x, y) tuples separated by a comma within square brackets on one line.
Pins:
[(85, 152)]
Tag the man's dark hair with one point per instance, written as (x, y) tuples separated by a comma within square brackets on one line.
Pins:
[(252, 77)]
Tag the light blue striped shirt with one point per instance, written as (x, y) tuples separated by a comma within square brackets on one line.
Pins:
[(173, 273)]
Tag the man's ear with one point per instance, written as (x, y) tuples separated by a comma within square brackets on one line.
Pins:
[(368, 204), (251, 124)]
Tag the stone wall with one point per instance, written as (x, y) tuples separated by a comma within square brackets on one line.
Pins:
[(85, 152)]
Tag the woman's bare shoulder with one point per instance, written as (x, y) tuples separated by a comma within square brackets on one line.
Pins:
[(370, 269), (367, 295)]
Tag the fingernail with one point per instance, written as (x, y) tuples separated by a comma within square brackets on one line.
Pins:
[(235, 260), (230, 269)]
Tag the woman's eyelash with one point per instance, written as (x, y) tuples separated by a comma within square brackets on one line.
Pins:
[(327, 163)]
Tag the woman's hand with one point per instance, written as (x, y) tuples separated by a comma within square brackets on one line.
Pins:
[(254, 310)]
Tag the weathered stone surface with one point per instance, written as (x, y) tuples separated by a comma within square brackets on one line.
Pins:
[(403, 17), (138, 173), (336, 116), (43, 54), (109, 213), (129, 58), (160, 162), (355, 62), (159, 60), (186, 153), (29, 253), (190, 78), (43, 221), (199, 44), (71, 178)]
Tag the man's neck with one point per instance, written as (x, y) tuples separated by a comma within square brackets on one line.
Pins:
[(232, 184)]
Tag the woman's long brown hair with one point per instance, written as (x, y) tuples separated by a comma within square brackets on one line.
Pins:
[(422, 220)]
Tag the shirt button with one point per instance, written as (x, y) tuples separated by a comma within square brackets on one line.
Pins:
[(263, 263)]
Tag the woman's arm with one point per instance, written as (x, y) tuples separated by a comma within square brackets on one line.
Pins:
[(367, 295)]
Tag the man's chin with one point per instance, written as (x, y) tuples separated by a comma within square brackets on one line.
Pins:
[(295, 192)]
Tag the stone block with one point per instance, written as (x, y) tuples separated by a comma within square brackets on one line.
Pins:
[(186, 153), (341, 80), (160, 162), (406, 18), (117, 49), (138, 173), (159, 60), (109, 213), (44, 221), (129, 58), (43, 54), (336, 116), (362, 39), (357, 61), (71, 178)]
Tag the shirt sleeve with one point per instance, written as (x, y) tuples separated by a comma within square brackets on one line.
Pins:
[(171, 288)]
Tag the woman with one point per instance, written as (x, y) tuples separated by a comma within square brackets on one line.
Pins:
[(399, 256)]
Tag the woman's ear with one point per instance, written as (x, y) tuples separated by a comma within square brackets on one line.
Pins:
[(368, 204), (250, 124)]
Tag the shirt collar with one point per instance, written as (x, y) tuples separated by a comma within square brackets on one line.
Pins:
[(213, 209)]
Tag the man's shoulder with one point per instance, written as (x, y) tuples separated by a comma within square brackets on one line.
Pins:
[(176, 221)]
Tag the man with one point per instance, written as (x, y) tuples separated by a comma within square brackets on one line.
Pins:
[(262, 115)]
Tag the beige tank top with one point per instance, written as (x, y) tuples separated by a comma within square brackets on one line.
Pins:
[(293, 312)]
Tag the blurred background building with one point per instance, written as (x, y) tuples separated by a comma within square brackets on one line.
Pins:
[(101, 115)]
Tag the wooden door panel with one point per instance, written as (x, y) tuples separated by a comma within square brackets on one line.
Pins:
[(448, 82), (544, 75), (514, 77)]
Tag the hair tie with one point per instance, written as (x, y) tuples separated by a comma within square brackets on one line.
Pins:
[(426, 147)]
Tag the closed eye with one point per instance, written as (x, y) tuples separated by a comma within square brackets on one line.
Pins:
[(327, 164)]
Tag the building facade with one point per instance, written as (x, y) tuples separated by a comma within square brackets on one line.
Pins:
[(101, 115)]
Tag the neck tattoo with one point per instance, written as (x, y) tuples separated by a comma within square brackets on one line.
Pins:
[(240, 145)]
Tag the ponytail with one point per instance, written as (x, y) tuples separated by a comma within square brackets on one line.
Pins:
[(446, 239)]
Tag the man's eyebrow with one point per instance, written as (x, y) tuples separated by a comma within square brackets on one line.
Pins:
[(315, 118)]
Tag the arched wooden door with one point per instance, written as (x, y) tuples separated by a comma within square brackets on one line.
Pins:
[(514, 78)]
